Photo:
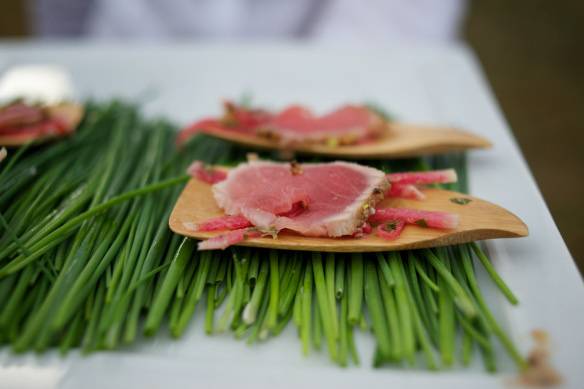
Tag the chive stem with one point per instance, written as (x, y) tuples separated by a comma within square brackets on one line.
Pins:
[(355, 288)]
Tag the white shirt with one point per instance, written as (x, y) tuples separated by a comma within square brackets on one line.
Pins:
[(343, 21)]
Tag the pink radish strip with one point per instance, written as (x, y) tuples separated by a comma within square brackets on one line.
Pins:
[(431, 219), (224, 223), (205, 125), (206, 174), (405, 191), (223, 241), (366, 228), (235, 118), (360, 232), (390, 230), (424, 178)]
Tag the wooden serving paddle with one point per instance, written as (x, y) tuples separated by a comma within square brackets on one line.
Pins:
[(398, 140), (479, 220)]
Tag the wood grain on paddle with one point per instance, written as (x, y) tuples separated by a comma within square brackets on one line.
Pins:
[(399, 140), (479, 220)]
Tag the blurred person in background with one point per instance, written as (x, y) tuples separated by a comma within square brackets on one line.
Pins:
[(343, 21)]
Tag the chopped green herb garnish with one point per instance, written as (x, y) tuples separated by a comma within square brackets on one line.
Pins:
[(460, 200), (332, 142)]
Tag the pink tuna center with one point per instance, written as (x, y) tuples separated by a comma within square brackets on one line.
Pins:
[(317, 193), (301, 120)]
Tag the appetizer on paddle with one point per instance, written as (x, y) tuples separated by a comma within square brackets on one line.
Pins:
[(22, 122), (336, 199), (349, 124)]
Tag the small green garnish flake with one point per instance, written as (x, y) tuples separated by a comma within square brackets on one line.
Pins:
[(380, 111), (460, 200), (422, 223), (246, 100), (391, 226), (332, 142)]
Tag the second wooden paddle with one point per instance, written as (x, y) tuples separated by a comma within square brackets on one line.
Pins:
[(398, 140)]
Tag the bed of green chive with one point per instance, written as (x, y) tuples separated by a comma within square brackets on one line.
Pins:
[(87, 261)]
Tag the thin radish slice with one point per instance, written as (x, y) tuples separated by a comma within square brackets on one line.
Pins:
[(224, 223), (235, 118), (390, 230), (223, 241), (431, 219), (200, 171), (424, 178), (366, 228), (405, 191), (205, 125)]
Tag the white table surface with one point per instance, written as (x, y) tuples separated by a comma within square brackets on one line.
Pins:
[(422, 84)]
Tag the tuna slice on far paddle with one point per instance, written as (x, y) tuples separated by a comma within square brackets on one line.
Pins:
[(346, 125), (349, 124)]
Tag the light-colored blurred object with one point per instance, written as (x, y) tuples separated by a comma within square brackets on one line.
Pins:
[(216, 19), (378, 21), (46, 84), (336, 21), (3, 153)]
